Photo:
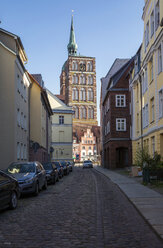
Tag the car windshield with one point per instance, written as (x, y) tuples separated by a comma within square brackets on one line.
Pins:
[(47, 166), (21, 168), (87, 161)]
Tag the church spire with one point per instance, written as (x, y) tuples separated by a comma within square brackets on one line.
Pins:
[(72, 46)]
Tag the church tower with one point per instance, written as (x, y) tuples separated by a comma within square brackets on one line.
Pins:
[(78, 85)]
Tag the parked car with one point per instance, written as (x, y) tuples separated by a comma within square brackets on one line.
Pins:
[(70, 165), (51, 172), (65, 167), (31, 176), (87, 164), (9, 191), (60, 169)]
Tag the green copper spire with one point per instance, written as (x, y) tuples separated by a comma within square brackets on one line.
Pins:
[(72, 46)]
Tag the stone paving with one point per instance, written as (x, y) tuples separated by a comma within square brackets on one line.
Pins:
[(85, 209)]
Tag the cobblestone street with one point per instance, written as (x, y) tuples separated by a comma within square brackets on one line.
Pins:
[(85, 210)]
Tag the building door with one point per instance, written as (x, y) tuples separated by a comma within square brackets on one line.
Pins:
[(121, 157)]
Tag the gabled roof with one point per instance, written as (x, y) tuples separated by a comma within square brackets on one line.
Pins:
[(61, 97), (18, 40), (118, 63)]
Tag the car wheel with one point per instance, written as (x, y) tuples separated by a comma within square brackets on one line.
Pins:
[(53, 180), (45, 184), (36, 192), (13, 200)]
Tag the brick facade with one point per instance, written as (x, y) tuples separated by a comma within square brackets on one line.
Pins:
[(117, 146)]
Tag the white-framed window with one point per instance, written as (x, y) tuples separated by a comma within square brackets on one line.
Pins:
[(75, 94), (120, 124), (157, 15), (22, 151), (151, 69), (90, 94), (153, 145), (152, 23), (161, 103), (82, 94), (120, 101), (75, 79), (82, 79), (18, 150), (90, 80), (61, 119), (152, 110), (144, 81), (145, 116), (159, 60), (18, 117)]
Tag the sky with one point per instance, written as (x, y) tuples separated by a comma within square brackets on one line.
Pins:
[(104, 29)]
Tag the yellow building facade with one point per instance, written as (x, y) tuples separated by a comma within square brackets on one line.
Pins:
[(147, 83), (14, 89), (61, 129)]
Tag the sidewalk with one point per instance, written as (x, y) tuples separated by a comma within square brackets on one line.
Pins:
[(147, 201)]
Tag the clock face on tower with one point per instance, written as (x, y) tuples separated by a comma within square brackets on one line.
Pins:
[(82, 67)]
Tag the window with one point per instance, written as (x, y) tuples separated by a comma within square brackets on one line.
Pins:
[(25, 123), (89, 147), (157, 15), (145, 116), (159, 60), (152, 23), (18, 83), (75, 94), (75, 79), (90, 94), (137, 123), (147, 33), (82, 113), (22, 151), (22, 120), (153, 145), (18, 150), (18, 117), (120, 124), (25, 152), (83, 147), (151, 69), (90, 113), (61, 119), (120, 101), (144, 81), (152, 110), (108, 127), (74, 66), (82, 79), (89, 66), (161, 103), (90, 80), (108, 104), (76, 109), (82, 94)]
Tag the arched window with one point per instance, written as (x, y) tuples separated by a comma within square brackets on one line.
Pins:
[(75, 94), (82, 112), (76, 115), (82, 94), (74, 66), (90, 113), (90, 94), (89, 66), (90, 80), (82, 79), (75, 79)]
